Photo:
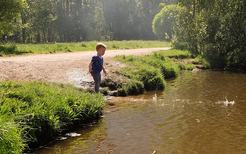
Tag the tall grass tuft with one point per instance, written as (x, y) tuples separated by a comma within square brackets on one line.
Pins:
[(43, 110), (10, 136)]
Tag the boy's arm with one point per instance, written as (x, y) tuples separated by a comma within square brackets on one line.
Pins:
[(104, 70), (90, 67)]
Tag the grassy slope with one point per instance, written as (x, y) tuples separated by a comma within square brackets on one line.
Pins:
[(33, 113), (148, 72), (9, 49)]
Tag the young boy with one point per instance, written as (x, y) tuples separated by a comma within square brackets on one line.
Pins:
[(96, 65)]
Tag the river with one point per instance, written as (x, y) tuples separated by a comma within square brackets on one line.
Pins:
[(200, 113)]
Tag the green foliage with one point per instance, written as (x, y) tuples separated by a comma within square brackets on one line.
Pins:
[(131, 19), (214, 29), (202, 61), (9, 15), (10, 49), (180, 45), (166, 20), (34, 21), (7, 49), (43, 110)]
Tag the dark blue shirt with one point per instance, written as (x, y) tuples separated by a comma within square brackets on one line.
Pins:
[(97, 64)]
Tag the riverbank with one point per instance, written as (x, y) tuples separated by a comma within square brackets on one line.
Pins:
[(137, 74), (31, 111), (165, 122), (34, 113), (19, 49)]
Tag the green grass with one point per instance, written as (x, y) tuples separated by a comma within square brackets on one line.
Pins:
[(178, 54), (157, 62), (123, 86), (10, 136), (150, 71), (151, 78), (14, 49), (33, 113), (201, 61)]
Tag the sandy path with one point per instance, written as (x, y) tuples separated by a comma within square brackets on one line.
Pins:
[(61, 67)]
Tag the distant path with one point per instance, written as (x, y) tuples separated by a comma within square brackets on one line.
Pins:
[(69, 67)]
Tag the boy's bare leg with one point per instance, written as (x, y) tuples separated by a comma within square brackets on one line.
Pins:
[(97, 80)]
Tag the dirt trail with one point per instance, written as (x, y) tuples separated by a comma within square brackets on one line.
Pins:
[(61, 67)]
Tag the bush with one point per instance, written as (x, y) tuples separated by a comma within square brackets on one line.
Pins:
[(9, 49), (217, 33), (201, 61), (214, 57), (165, 22), (180, 45)]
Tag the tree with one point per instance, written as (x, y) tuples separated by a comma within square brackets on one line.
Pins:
[(81, 20), (10, 16), (41, 17), (165, 22), (215, 29)]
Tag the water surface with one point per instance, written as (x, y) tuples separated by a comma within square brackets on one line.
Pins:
[(191, 116)]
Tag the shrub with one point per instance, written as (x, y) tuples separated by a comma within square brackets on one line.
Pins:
[(214, 57), (9, 49), (180, 45)]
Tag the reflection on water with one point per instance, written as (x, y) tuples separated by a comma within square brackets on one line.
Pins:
[(186, 118)]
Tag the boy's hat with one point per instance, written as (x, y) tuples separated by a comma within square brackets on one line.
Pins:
[(100, 44)]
